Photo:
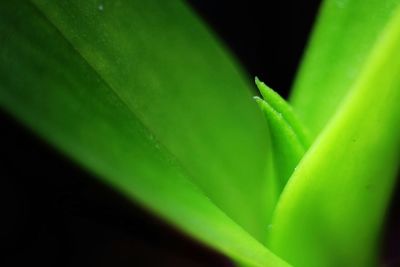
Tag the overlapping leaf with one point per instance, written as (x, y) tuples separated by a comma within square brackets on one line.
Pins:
[(289, 139), (138, 93), (331, 212), (343, 38)]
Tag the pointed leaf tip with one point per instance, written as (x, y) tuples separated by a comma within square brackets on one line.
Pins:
[(257, 98), (279, 104), (288, 147)]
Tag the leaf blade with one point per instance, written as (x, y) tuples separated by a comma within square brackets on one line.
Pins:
[(49, 87), (342, 40), (324, 194), (197, 125), (289, 137)]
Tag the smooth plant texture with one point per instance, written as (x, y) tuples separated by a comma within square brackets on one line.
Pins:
[(284, 108), (148, 72), (46, 83), (141, 94), (289, 138), (344, 35), (333, 207)]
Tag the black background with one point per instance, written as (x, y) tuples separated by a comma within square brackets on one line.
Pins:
[(55, 214)]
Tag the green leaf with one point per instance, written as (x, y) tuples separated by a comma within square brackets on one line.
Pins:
[(71, 101), (332, 209), (342, 40), (288, 137), (165, 66)]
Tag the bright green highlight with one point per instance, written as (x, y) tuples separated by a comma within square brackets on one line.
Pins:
[(141, 94), (331, 211), (341, 43), (288, 137), (284, 108)]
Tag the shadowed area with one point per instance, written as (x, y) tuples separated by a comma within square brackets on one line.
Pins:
[(54, 213)]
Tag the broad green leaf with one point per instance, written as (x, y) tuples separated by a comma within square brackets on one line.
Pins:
[(288, 137), (342, 40), (167, 68), (331, 211), (47, 84)]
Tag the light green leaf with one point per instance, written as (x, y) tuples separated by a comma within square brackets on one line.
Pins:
[(47, 84), (342, 40), (288, 137), (165, 66), (332, 209)]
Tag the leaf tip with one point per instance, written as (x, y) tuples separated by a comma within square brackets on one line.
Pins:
[(259, 101), (264, 89), (258, 83)]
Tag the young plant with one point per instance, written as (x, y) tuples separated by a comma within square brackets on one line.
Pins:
[(186, 140)]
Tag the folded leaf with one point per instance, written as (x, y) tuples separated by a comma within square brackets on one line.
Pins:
[(344, 35), (332, 209), (288, 137), (284, 108), (46, 83)]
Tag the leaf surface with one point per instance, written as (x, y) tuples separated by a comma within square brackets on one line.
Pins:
[(168, 69), (331, 211), (47, 83), (342, 40), (289, 138)]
